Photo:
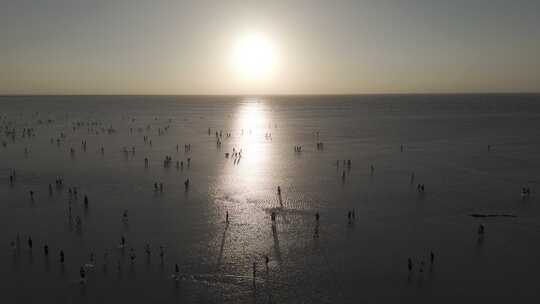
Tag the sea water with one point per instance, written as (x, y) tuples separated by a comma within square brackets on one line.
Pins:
[(442, 139)]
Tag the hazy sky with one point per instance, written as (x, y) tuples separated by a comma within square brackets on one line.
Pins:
[(184, 47)]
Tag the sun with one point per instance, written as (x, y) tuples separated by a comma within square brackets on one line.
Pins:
[(253, 57)]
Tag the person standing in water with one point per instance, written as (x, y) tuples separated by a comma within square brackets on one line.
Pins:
[(147, 249), (83, 274), (481, 229), (132, 255)]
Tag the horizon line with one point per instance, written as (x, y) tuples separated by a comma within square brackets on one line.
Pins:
[(279, 94)]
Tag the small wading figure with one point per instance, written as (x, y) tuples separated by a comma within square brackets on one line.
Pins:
[(161, 253), (481, 229), (132, 255), (525, 192), (83, 275), (176, 275), (147, 249)]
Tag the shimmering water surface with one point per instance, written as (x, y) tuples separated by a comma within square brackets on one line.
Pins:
[(444, 138)]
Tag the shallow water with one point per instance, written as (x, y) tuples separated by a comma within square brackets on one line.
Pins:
[(445, 139)]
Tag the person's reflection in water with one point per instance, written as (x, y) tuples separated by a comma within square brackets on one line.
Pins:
[(62, 270), (30, 257), (409, 267), (277, 249), (176, 276), (46, 258), (105, 262), (316, 232), (222, 246), (132, 273), (161, 254), (119, 268)]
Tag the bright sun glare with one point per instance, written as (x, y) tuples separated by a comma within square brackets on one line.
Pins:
[(253, 57)]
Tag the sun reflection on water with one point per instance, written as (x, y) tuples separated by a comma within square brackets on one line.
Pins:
[(245, 189), (251, 126), (246, 181)]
